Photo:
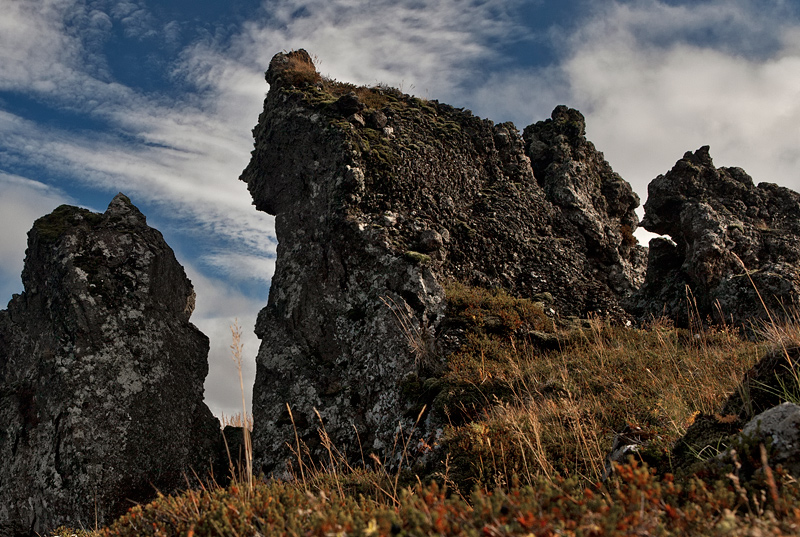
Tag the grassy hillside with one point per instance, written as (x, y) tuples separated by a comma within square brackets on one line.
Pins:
[(532, 405)]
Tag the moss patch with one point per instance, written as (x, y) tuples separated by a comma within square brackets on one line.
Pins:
[(417, 258), (50, 228)]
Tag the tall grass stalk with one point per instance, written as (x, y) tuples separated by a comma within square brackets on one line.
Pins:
[(327, 443), (772, 322), (779, 334), (420, 338), (236, 420), (237, 353), (299, 452)]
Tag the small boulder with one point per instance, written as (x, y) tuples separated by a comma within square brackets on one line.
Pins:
[(780, 428)]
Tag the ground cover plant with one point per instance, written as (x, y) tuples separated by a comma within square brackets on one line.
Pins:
[(523, 453), (635, 503)]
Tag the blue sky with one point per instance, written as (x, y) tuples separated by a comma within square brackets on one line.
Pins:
[(157, 99)]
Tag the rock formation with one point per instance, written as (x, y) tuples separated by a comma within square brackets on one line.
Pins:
[(101, 373), (591, 196), (712, 215), (380, 200)]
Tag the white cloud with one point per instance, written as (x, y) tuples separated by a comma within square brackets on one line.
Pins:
[(243, 266), (23, 201), (648, 100), (521, 96), (648, 115), (433, 45), (198, 183), (183, 155), (135, 18), (36, 50), (656, 80), (218, 306)]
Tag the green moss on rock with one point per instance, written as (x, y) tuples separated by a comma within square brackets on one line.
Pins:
[(417, 257), (50, 228)]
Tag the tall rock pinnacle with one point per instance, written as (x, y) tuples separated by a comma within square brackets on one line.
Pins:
[(101, 373)]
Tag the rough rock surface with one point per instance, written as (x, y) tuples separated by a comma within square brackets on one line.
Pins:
[(596, 200), (101, 373), (779, 427), (712, 215), (380, 199)]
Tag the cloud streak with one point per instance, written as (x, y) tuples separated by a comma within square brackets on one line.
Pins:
[(433, 45)]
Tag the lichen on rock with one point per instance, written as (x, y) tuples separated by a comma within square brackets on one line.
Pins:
[(101, 373)]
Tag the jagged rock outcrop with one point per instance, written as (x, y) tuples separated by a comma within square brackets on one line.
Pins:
[(712, 215), (596, 200), (380, 200), (101, 373)]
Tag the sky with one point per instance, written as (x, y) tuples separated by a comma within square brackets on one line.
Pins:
[(157, 99)]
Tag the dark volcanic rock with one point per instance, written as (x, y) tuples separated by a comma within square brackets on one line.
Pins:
[(101, 373), (381, 199), (713, 215), (594, 198)]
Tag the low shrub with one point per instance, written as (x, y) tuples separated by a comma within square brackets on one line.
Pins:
[(635, 502)]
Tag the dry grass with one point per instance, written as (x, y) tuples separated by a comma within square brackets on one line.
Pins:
[(237, 349), (567, 406), (548, 413), (534, 447), (236, 420), (299, 69), (371, 478), (420, 338)]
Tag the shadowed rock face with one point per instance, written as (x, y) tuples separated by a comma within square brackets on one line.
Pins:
[(381, 199), (101, 372), (713, 215)]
